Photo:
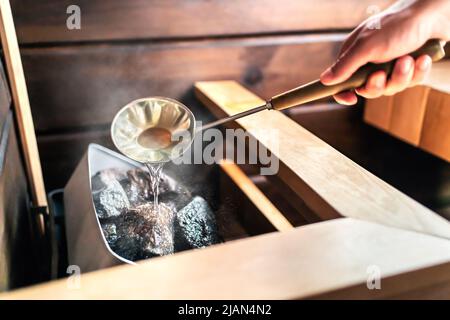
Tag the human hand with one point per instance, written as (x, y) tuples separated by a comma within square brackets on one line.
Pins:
[(403, 28)]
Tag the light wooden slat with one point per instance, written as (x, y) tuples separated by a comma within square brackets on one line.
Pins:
[(436, 128), (330, 183), (264, 205), (327, 258), (22, 106), (408, 111)]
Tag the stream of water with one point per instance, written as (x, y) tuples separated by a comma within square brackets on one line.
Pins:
[(155, 170)]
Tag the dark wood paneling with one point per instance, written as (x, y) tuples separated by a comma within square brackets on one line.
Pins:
[(5, 97), (276, 194), (45, 20), (60, 154), (17, 249), (86, 85)]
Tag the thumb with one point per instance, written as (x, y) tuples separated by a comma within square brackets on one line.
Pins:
[(351, 60)]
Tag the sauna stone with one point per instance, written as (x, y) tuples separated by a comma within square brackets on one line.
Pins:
[(138, 186), (109, 197), (135, 231), (196, 225), (143, 232)]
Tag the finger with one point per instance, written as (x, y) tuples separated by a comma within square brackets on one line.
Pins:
[(421, 69), (347, 98), (401, 75), (374, 86), (356, 55)]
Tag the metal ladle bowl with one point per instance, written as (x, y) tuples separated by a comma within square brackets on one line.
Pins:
[(153, 130)]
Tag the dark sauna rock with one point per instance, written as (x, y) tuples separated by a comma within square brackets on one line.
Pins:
[(129, 247), (109, 197), (134, 230), (103, 178), (138, 186), (110, 232), (143, 232), (195, 226)]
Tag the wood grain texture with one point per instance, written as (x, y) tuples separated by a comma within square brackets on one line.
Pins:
[(22, 107), (402, 114), (377, 112), (72, 87), (284, 265), (255, 195), (436, 128), (330, 183), (45, 20), (292, 208), (417, 173), (408, 111), (430, 283), (61, 153)]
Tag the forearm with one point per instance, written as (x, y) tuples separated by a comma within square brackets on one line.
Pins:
[(440, 11)]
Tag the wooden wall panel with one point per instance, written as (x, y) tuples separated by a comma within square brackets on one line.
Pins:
[(60, 154), (154, 19), (407, 114), (378, 112), (401, 115), (436, 128), (76, 86)]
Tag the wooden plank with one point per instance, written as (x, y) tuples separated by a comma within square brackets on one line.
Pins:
[(428, 283), (255, 195), (22, 107), (377, 112), (424, 177), (281, 265), (77, 86), (408, 111), (328, 182), (45, 20), (436, 128)]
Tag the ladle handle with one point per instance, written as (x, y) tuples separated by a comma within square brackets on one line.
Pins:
[(316, 90)]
